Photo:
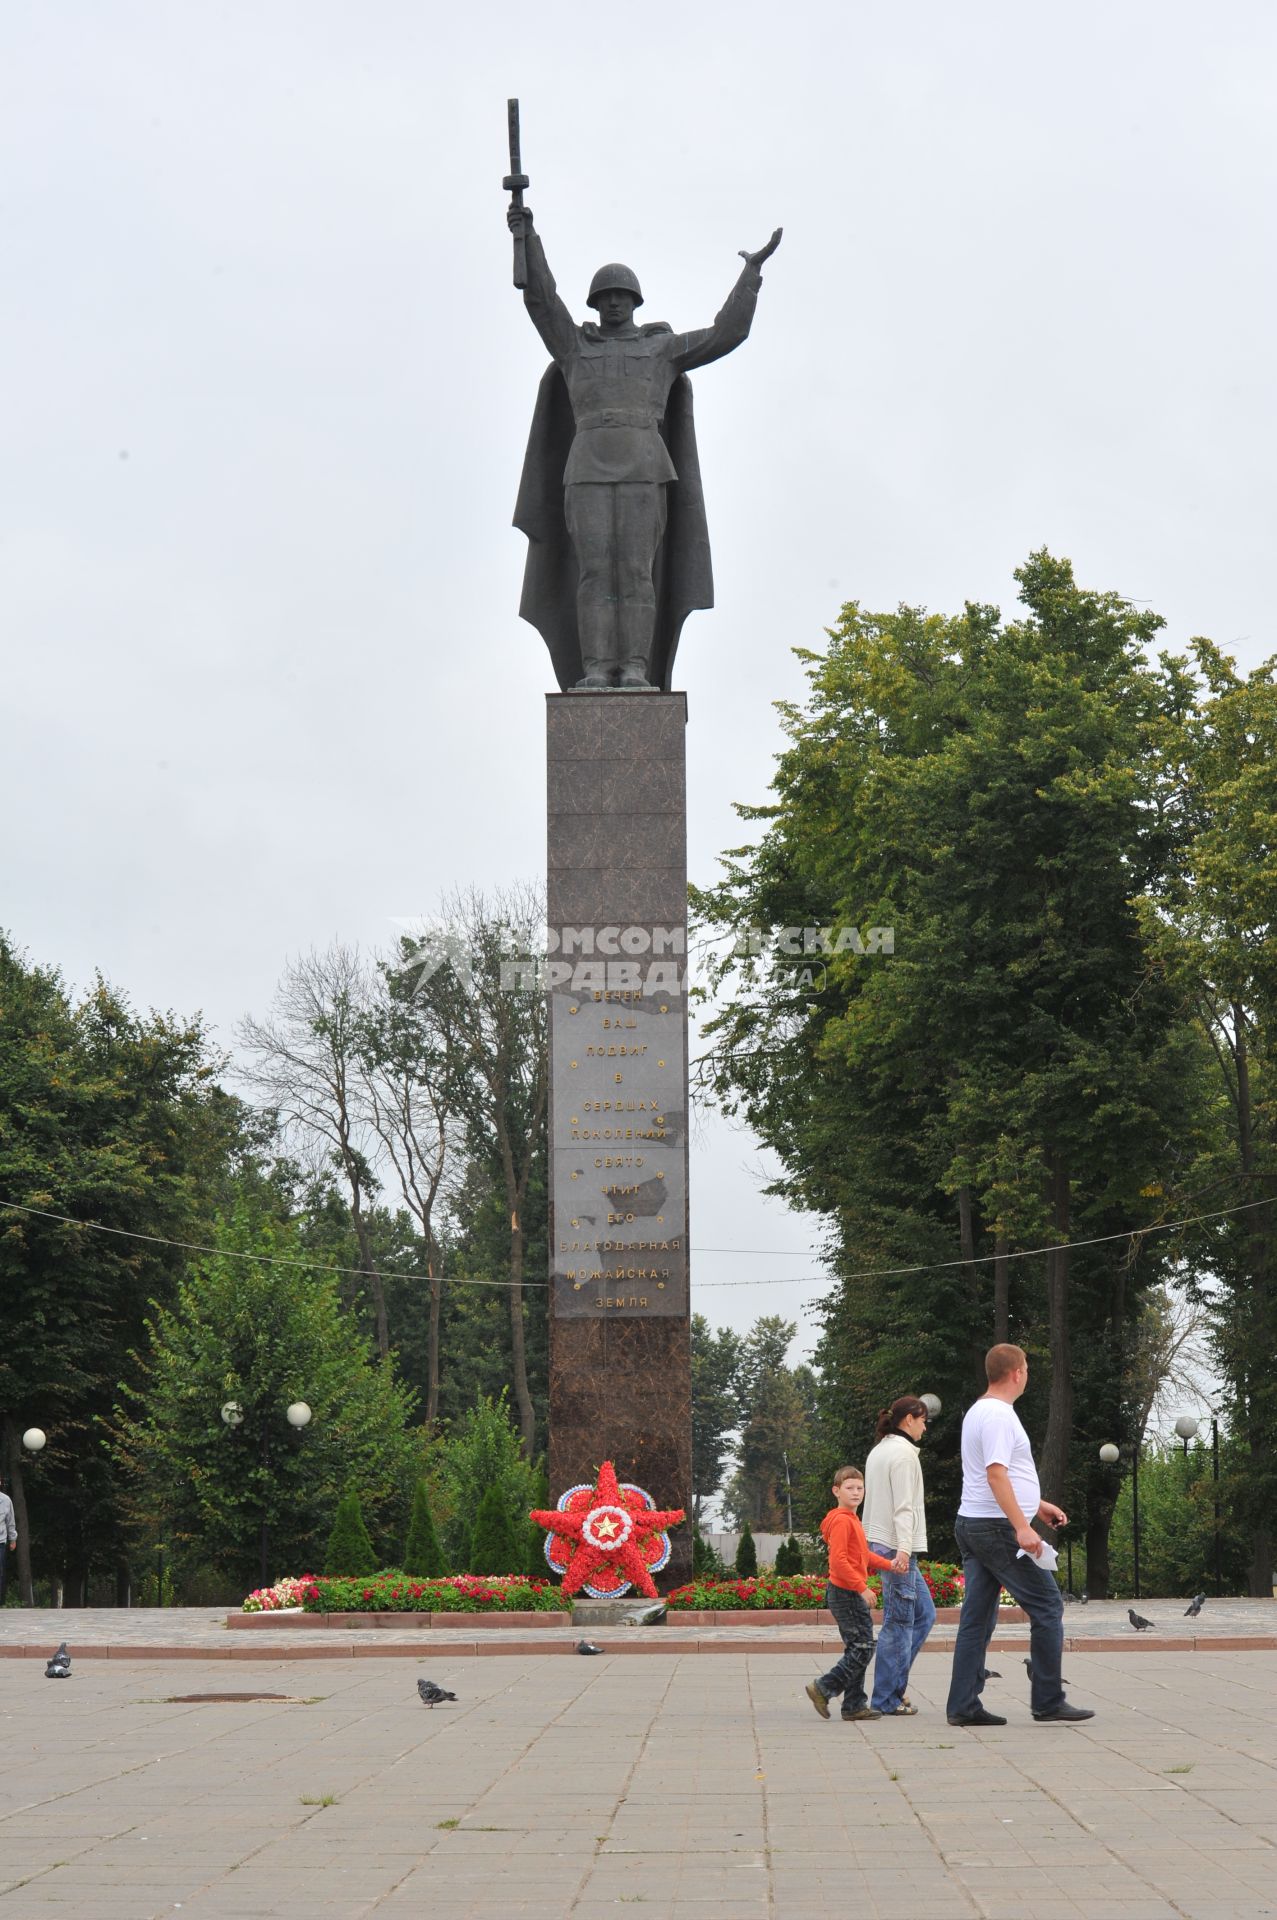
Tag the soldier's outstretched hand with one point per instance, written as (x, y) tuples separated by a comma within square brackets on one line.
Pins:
[(764, 253), (519, 221)]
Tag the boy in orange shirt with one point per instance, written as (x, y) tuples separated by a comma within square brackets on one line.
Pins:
[(850, 1558)]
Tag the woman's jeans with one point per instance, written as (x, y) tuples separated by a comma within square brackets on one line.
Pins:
[(855, 1623), (908, 1615), (991, 1560)]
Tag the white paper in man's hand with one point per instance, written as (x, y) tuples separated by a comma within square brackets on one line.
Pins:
[(1046, 1556)]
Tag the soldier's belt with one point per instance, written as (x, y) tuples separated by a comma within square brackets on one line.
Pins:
[(618, 417)]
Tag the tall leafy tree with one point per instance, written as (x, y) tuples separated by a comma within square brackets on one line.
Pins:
[(305, 1061), (491, 1029), (775, 1402), (255, 1327), (716, 1360), (113, 1121), (1211, 922), (1010, 1073)]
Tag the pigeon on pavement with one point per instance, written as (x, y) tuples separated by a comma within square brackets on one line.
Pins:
[(1085, 1596), (59, 1664), (1137, 1620), (1195, 1606), (1068, 1598), (587, 1646), (432, 1694), (1028, 1668)]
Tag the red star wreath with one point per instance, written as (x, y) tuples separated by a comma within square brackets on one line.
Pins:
[(607, 1537)]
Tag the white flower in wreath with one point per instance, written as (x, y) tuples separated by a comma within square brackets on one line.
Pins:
[(607, 1528)]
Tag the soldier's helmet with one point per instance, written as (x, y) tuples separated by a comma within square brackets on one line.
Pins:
[(614, 275)]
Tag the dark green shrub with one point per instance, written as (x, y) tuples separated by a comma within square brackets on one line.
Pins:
[(422, 1554), (537, 1566), (495, 1544), (349, 1548), (789, 1557), (746, 1556)]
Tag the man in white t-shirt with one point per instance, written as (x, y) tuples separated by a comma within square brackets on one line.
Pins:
[(1000, 1548)]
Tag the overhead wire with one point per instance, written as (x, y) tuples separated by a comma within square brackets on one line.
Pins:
[(775, 1280)]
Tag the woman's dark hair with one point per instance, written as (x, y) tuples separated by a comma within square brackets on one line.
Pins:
[(889, 1419)]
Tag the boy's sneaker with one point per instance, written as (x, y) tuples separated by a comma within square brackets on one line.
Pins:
[(861, 1713), (818, 1699)]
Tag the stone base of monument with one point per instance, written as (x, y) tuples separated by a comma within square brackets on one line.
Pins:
[(618, 1613)]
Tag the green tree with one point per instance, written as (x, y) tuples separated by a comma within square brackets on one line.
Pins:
[(1211, 924), (116, 1120), (495, 1540), (349, 1551), (746, 1555), (493, 1076), (422, 1554), (252, 1326), (483, 1452), (1012, 1071), (775, 1401), (716, 1357), (793, 1553)]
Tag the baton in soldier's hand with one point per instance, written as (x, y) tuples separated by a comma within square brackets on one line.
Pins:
[(514, 183)]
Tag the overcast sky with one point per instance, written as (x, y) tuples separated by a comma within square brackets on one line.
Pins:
[(267, 387)]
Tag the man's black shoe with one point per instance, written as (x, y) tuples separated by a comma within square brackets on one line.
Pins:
[(1065, 1712), (978, 1719)]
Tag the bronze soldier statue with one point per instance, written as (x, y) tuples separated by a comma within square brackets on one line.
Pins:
[(610, 500)]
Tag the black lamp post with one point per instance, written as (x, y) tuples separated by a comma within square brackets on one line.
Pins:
[(1186, 1427), (298, 1415), (1110, 1455)]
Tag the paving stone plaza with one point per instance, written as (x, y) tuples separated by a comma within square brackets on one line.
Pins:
[(665, 1782)]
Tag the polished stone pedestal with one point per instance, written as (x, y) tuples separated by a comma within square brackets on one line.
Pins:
[(620, 1358)]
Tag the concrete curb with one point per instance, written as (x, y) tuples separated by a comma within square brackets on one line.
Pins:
[(658, 1640), (736, 1618)]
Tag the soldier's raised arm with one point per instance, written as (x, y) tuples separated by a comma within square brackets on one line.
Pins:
[(733, 320), (540, 296)]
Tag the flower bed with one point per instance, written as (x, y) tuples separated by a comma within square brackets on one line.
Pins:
[(393, 1592), (797, 1592), (285, 1593)]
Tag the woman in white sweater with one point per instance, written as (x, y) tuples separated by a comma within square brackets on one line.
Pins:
[(895, 1523)]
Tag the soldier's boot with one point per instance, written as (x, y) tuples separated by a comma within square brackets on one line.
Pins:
[(637, 622), (597, 679), (597, 624)]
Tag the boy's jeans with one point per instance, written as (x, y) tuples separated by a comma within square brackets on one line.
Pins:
[(908, 1615), (855, 1623), (990, 1561)]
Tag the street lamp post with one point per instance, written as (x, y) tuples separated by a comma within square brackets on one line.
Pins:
[(298, 1416), (1186, 1427), (1110, 1455)]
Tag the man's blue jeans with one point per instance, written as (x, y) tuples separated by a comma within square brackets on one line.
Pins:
[(855, 1623), (990, 1561), (908, 1615)]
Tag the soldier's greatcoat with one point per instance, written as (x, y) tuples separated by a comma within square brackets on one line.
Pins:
[(616, 408)]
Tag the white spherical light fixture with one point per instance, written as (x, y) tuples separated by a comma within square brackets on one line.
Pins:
[(1186, 1426), (232, 1413), (33, 1439), (298, 1415), (1109, 1454), (931, 1401)]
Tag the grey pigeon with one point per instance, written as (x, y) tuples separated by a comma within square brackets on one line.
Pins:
[(1195, 1606), (1085, 1596), (989, 1673), (587, 1646), (59, 1664), (1137, 1620), (1067, 1597), (1028, 1668), (431, 1694)]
